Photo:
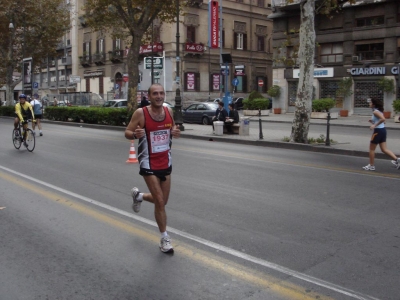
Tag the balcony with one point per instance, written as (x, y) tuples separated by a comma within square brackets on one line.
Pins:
[(86, 60), (99, 59), (66, 61), (116, 56)]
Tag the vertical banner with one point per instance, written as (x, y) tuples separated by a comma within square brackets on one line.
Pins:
[(213, 24), (215, 79), (27, 71), (190, 81)]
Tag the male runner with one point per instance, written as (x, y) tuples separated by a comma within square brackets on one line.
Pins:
[(154, 126)]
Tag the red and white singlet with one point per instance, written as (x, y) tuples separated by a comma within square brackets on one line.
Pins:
[(154, 149)]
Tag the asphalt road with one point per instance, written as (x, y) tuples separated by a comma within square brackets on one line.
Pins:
[(246, 223)]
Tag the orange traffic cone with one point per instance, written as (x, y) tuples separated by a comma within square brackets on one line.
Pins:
[(132, 155)]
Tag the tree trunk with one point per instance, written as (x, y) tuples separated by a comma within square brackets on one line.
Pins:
[(133, 69), (301, 121), (10, 85)]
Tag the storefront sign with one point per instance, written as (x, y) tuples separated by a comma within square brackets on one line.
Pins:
[(157, 47), (373, 71), (318, 72), (239, 70), (158, 63), (190, 79), (192, 47), (213, 33), (93, 74), (215, 78)]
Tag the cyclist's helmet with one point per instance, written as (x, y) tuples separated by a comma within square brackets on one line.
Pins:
[(22, 96)]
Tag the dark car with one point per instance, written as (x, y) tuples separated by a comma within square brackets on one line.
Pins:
[(199, 112), (238, 103)]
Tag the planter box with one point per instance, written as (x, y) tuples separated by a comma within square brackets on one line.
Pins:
[(344, 113), (277, 111), (386, 114), (397, 118), (323, 115), (247, 112)]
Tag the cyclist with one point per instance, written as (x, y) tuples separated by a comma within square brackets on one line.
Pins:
[(23, 112)]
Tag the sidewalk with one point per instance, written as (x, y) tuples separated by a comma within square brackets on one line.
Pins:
[(345, 144)]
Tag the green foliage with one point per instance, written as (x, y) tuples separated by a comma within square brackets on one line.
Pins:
[(344, 87), (319, 140), (90, 115), (255, 95), (386, 85), (7, 111), (396, 105), (255, 104), (324, 104), (274, 91)]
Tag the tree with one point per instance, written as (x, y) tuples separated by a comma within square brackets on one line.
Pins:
[(38, 26), (129, 20), (306, 53)]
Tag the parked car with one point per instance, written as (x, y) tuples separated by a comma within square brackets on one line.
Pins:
[(199, 112), (118, 103), (216, 100), (238, 103)]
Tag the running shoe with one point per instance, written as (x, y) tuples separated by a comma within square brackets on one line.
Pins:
[(369, 168), (396, 162), (136, 203), (165, 245), (41, 134)]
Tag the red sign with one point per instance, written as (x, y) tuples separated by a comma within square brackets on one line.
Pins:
[(190, 81), (260, 82), (157, 47), (215, 82), (125, 78), (213, 11), (192, 47)]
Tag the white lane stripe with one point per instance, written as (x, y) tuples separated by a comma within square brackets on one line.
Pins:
[(267, 264)]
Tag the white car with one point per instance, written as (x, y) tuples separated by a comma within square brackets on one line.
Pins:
[(117, 103)]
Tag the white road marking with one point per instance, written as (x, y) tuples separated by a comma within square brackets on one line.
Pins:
[(261, 262)]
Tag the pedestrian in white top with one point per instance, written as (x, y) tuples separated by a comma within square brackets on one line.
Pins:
[(37, 110)]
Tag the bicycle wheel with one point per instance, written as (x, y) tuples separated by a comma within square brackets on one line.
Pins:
[(16, 140), (30, 140)]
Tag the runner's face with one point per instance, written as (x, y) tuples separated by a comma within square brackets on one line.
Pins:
[(157, 95), (22, 100)]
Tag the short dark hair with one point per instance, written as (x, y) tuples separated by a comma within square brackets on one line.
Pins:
[(221, 103), (230, 104), (148, 91), (377, 103)]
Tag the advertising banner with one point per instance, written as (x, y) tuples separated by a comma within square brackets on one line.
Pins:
[(213, 24), (27, 79), (215, 78), (190, 80)]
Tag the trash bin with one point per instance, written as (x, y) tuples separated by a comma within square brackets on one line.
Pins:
[(219, 127), (244, 126)]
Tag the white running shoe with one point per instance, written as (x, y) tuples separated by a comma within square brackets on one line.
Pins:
[(369, 168), (136, 203), (396, 163), (165, 245)]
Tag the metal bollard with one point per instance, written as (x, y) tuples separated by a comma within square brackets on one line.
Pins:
[(328, 141), (259, 123)]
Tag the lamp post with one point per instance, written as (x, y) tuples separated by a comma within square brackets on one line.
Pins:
[(209, 69), (178, 99)]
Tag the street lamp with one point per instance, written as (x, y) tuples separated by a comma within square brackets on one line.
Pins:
[(11, 26), (178, 99)]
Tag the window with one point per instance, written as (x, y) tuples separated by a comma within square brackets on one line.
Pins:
[(117, 44), (260, 43), (370, 51), (331, 53), (100, 46), (240, 41), (156, 34), (370, 21), (398, 48), (260, 3), (190, 34)]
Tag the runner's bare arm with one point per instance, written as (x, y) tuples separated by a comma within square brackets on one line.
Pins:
[(175, 131), (135, 126)]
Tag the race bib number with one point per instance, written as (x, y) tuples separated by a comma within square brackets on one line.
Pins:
[(159, 140)]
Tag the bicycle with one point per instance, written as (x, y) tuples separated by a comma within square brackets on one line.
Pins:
[(24, 136)]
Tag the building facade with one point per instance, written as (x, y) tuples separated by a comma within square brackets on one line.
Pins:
[(100, 62), (362, 42)]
